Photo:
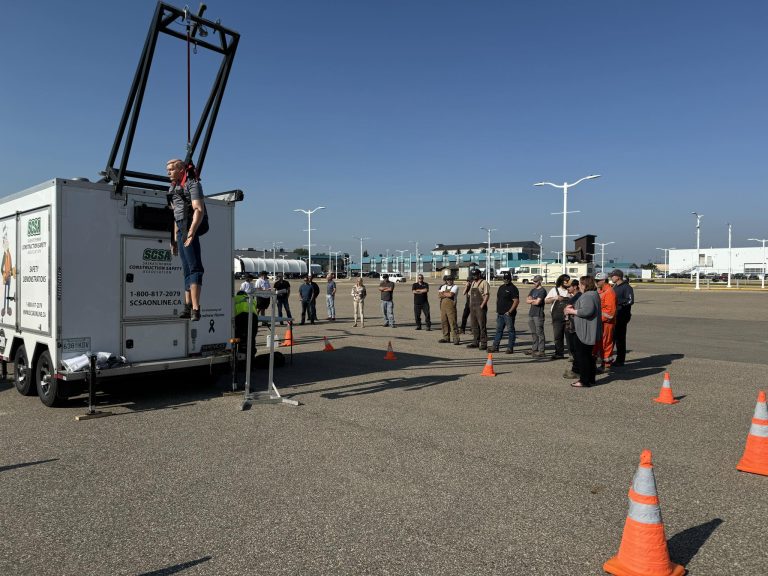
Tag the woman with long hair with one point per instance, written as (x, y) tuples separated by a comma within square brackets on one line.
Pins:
[(558, 298), (588, 327)]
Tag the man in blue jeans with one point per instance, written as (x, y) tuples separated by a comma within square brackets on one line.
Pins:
[(185, 190), (507, 301), (307, 295)]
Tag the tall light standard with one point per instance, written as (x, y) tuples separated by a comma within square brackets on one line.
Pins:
[(417, 253), (361, 238), (557, 254), (729, 255), (666, 263), (488, 254), (602, 254), (763, 240), (698, 239), (541, 256), (335, 261), (565, 187), (402, 260), (274, 258), (282, 266), (309, 234)]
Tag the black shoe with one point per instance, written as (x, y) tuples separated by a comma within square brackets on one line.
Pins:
[(195, 315), (443, 341), (457, 342), (472, 345), (429, 328), (187, 312), (528, 352), (418, 327), (301, 323), (483, 346), (618, 364), (509, 351)]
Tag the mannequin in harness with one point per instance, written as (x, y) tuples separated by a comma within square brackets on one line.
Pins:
[(186, 200)]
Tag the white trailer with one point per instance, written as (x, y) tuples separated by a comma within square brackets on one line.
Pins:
[(90, 270)]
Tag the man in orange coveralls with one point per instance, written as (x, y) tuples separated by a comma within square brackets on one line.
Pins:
[(604, 348)]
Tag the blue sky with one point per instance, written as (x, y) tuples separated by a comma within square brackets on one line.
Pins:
[(421, 120)]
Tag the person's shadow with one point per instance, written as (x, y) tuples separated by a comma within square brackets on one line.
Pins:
[(641, 367)]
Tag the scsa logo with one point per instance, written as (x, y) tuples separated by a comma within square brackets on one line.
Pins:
[(33, 227), (157, 255)]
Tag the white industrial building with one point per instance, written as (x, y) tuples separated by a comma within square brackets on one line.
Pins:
[(737, 260)]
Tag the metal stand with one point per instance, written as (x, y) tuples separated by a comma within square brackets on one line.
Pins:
[(235, 343), (91, 384), (271, 394)]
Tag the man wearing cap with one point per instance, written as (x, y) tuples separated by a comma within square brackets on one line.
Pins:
[(604, 347), (387, 290), (307, 296), (535, 299), (448, 294), (507, 301), (625, 297), (421, 302), (478, 292), (283, 290)]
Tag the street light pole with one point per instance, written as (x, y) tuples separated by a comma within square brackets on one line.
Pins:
[(361, 238), (488, 255), (402, 260), (666, 264), (565, 187), (417, 253), (274, 258), (698, 239), (730, 268), (309, 234), (762, 276), (602, 254)]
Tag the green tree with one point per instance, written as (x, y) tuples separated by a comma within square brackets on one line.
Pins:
[(301, 252)]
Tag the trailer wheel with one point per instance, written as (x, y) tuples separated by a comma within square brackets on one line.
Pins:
[(48, 388), (22, 372)]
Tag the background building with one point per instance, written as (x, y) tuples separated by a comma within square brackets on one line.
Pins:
[(749, 260)]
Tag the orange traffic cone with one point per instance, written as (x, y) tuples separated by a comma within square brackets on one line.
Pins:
[(665, 394), (755, 458), (643, 550), (288, 340), (488, 368), (390, 355), (328, 347)]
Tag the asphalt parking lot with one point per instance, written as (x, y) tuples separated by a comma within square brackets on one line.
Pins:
[(417, 466)]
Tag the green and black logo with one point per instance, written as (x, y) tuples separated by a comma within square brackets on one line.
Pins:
[(33, 227), (157, 255)]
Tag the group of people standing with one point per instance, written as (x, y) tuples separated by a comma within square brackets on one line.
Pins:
[(588, 315)]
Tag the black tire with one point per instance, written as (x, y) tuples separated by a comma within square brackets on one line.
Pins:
[(50, 389), (22, 372)]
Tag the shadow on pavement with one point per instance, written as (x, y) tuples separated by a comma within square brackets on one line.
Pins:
[(25, 464), (374, 386), (684, 545), (177, 568), (642, 367)]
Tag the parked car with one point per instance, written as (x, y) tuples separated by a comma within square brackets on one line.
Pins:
[(396, 277)]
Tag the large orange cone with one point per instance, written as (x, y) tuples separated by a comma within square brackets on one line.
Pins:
[(390, 355), (488, 368), (755, 458), (643, 550), (665, 394), (328, 347), (288, 340)]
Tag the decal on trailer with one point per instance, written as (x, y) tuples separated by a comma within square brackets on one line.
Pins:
[(34, 270), (8, 269), (153, 286)]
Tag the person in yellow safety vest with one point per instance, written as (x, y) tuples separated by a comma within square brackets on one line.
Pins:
[(241, 317)]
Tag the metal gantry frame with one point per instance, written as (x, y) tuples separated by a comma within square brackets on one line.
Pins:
[(197, 29)]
